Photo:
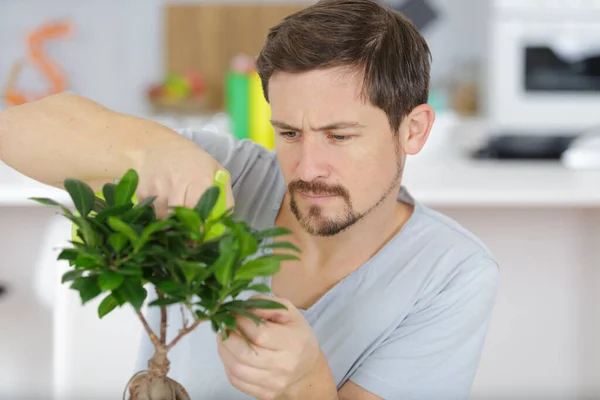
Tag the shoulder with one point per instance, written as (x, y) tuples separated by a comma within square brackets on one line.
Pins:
[(458, 264), (255, 174)]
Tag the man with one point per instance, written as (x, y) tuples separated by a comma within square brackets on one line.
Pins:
[(390, 299)]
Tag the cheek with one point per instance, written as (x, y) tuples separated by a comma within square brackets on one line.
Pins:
[(369, 173)]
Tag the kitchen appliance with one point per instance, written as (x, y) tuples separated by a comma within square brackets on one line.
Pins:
[(542, 69)]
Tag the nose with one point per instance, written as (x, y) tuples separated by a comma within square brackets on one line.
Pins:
[(313, 162)]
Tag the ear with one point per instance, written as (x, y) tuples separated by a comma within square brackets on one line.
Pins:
[(416, 127)]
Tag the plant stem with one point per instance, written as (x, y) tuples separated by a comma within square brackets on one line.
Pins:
[(184, 331), (153, 338), (163, 320)]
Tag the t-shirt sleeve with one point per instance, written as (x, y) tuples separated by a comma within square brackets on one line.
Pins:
[(237, 156), (434, 353)]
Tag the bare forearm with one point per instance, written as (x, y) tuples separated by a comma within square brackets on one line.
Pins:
[(69, 136)]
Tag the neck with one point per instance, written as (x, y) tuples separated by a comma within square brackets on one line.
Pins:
[(359, 242)]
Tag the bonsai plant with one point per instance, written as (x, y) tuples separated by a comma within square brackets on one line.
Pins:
[(198, 261)]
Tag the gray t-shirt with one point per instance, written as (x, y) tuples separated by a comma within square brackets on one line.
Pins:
[(408, 324)]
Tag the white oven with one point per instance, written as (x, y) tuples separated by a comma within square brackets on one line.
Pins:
[(542, 68)]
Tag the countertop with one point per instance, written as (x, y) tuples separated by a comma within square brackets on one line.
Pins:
[(435, 181)]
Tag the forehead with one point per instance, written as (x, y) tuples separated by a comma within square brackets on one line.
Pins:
[(316, 93)]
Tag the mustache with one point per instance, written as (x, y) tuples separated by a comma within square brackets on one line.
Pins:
[(318, 188)]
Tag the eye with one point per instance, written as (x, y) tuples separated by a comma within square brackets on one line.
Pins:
[(289, 135), (339, 138)]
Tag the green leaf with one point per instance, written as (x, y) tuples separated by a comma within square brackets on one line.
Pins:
[(82, 195), (282, 245), (107, 305), (117, 241), (171, 287), (99, 205), (88, 261), (150, 230), (260, 287), (164, 301), (68, 254), (108, 190), (134, 292), (272, 232), (116, 210), (207, 202), (228, 320), (87, 287), (192, 269), (262, 266), (189, 218), (72, 275), (148, 201), (120, 226), (110, 280), (243, 312), (88, 234), (248, 243), (261, 303), (223, 266), (130, 270), (45, 201), (126, 187)]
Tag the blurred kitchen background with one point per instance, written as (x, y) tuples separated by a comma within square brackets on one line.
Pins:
[(514, 156)]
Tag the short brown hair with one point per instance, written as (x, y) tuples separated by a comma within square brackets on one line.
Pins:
[(365, 36)]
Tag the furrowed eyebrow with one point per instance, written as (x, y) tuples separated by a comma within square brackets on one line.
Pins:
[(330, 127)]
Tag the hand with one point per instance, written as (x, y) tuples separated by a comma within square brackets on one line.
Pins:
[(177, 174), (285, 357)]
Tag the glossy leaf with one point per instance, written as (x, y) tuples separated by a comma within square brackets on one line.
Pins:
[(260, 288), (108, 190), (45, 201), (223, 267), (281, 245), (149, 230), (110, 280), (82, 195), (262, 266), (87, 287), (189, 218), (207, 202), (134, 292), (72, 275), (272, 232), (164, 301), (120, 226), (117, 241), (192, 269), (126, 187), (108, 304), (261, 303)]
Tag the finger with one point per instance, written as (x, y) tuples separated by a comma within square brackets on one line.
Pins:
[(176, 196), (194, 192), (161, 207), (267, 335), (251, 355), (238, 368), (254, 390)]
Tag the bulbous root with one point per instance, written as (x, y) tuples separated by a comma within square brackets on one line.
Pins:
[(144, 386), (154, 384)]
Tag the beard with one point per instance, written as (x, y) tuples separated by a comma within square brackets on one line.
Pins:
[(315, 223)]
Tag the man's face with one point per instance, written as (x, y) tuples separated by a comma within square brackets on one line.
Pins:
[(338, 155)]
